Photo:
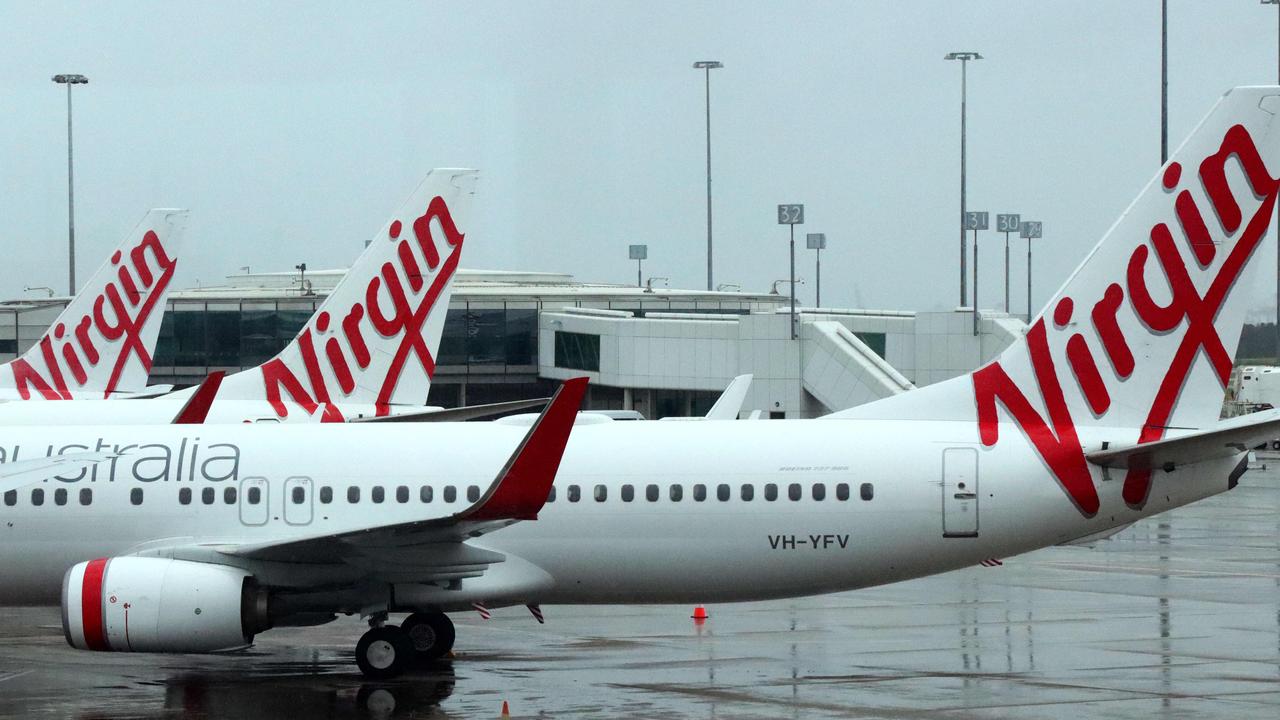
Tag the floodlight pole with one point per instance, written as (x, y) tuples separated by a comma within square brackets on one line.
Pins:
[(1164, 81), (707, 66), (69, 80), (964, 58), (1277, 328)]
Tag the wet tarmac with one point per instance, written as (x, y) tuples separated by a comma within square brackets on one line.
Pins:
[(1178, 616)]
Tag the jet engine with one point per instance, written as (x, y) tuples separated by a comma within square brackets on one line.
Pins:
[(142, 604)]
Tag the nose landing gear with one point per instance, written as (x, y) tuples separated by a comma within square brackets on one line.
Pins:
[(385, 651)]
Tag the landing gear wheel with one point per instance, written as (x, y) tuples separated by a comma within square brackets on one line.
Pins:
[(431, 634), (384, 652)]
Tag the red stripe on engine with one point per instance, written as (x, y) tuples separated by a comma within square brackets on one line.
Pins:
[(95, 630)]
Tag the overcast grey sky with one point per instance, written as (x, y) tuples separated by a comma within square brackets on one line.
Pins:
[(293, 130)]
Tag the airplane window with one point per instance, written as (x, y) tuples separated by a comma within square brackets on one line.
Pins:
[(60, 496), (86, 496), (699, 492), (424, 493), (135, 496), (867, 491), (402, 494), (770, 492), (11, 498), (326, 494), (184, 496), (651, 493), (37, 497), (378, 494), (229, 495), (722, 492), (842, 492), (794, 492), (676, 493), (748, 492), (206, 496), (255, 495), (628, 493), (353, 494), (551, 496), (575, 493), (819, 491), (298, 495), (473, 493), (450, 493), (601, 493)]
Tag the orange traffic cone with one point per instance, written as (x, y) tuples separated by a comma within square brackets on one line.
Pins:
[(506, 711), (699, 613)]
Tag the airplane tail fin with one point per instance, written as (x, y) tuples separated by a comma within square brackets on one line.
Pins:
[(101, 344), (1144, 333), (375, 338)]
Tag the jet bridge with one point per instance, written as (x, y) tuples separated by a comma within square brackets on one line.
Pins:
[(842, 371)]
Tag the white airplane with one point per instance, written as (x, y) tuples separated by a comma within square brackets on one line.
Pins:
[(196, 538), (100, 346), (367, 353)]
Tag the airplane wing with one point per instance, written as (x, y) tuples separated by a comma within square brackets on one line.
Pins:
[(19, 473), (1227, 439), (151, 391), (459, 414), (517, 493)]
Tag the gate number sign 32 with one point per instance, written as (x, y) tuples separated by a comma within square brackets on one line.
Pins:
[(791, 214)]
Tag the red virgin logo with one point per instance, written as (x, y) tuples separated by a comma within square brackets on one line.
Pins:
[(402, 314), (119, 315), (1055, 438)]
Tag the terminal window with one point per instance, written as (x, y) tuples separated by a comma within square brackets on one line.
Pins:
[(577, 351), (874, 340)]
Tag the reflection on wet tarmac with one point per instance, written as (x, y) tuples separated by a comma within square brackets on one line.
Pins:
[(304, 695), (1176, 616)]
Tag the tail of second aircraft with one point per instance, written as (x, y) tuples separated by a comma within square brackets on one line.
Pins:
[(1143, 334), (374, 340), (101, 344)]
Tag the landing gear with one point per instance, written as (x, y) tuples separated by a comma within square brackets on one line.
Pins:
[(384, 652), (431, 634)]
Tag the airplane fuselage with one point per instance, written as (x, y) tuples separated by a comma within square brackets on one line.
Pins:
[(162, 410), (664, 512)]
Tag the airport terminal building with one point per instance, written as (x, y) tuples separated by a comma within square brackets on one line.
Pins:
[(512, 335)]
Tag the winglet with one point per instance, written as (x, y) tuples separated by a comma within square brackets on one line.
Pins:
[(521, 487), (197, 407)]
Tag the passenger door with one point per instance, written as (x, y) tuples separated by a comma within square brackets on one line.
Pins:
[(960, 492)]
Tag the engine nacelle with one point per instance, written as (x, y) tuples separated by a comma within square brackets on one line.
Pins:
[(140, 604)]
